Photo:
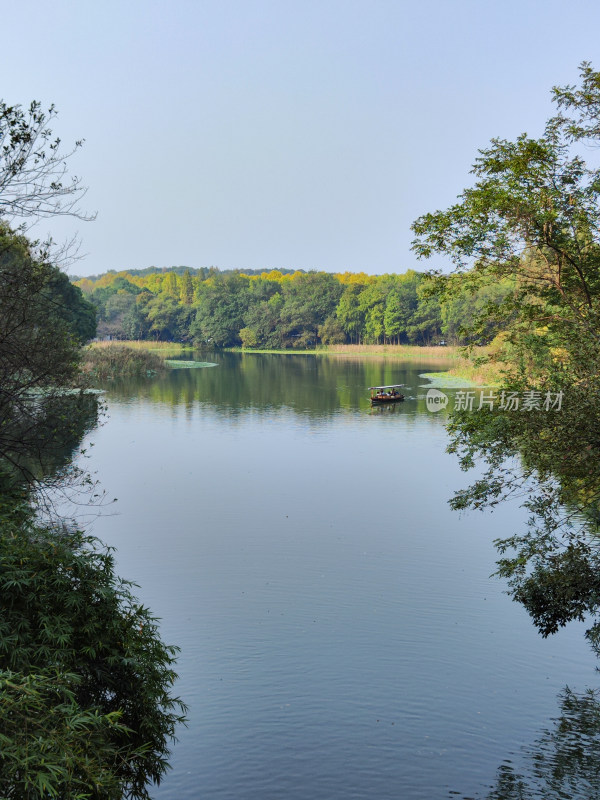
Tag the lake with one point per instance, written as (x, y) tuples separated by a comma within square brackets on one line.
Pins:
[(340, 634)]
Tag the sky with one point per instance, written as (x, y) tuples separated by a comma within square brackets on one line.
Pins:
[(269, 134)]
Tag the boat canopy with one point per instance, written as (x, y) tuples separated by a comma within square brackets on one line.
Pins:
[(393, 386)]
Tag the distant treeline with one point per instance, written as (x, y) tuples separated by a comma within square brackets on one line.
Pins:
[(280, 308)]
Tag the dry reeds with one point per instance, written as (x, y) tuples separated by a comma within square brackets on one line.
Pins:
[(111, 361)]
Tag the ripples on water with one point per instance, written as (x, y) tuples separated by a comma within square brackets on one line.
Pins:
[(340, 635)]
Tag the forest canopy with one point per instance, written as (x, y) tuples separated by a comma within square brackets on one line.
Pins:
[(283, 309)]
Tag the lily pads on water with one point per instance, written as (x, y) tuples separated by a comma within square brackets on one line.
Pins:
[(174, 364), (442, 380)]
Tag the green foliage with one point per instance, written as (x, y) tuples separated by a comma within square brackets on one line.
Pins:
[(67, 303), (530, 223), (220, 309), (470, 315), (186, 289), (350, 313), (249, 337), (85, 679), (270, 311), (307, 302), (168, 320), (50, 746), (42, 322), (331, 331), (392, 317), (263, 328)]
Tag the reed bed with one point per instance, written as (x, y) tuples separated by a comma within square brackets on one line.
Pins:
[(487, 374), (112, 361), (152, 346)]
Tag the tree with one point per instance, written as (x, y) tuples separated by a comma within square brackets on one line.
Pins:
[(263, 324), (331, 331), (136, 324), (220, 309), (68, 303), (249, 337), (116, 305), (34, 178), (168, 320), (114, 315), (532, 222), (308, 300), (392, 318), (42, 323), (186, 290), (465, 307), (532, 217), (86, 704), (408, 316), (424, 324), (350, 313), (372, 304), (170, 286)]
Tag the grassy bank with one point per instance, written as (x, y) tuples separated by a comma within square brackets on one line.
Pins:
[(400, 351), (480, 374), (395, 351), (152, 346)]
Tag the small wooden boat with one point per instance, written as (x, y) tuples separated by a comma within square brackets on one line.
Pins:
[(386, 394)]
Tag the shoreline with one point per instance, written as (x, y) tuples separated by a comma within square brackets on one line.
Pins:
[(397, 351)]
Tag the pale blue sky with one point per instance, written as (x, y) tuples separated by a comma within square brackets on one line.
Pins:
[(294, 133)]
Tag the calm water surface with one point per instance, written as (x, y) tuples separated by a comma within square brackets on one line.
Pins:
[(340, 634)]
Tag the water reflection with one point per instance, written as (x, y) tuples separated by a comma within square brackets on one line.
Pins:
[(48, 440), (563, 763), (551, 563), (308, 384), (340, 636)]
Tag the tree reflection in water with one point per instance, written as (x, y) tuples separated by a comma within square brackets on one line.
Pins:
[(564, 762), (552, 566)]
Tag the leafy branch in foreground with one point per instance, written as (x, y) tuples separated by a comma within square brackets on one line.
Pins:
[(34, 177), (85, 681), (532, 219)]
